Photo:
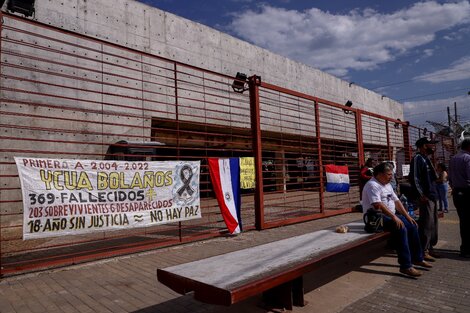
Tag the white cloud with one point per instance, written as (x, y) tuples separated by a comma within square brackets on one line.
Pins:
[(458, 70), (457, 35), (428, 52), (425, 54), (360, 39)]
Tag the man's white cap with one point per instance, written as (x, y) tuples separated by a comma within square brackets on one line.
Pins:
[(464, 135)]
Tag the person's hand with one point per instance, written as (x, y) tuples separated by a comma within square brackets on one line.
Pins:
[(399, 222), (412, 220)]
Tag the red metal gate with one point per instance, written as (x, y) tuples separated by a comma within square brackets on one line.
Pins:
[(65, 95), (69, 96)]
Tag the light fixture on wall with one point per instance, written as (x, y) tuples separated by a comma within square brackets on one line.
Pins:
[(397, 124), (348, 104), (239, 84), (25, 7)]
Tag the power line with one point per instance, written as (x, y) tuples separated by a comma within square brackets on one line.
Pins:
[(433, 94), (427, 112), (394, 83), (441, 110), (414, 79)]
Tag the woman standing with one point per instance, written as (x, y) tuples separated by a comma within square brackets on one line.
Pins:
[(442, 187)]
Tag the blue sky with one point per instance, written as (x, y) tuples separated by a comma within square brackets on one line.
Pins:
[(415, 52)]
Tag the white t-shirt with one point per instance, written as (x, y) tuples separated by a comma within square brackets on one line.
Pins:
[(376, 192)]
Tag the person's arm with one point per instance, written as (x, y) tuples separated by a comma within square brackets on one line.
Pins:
[(418, 170), (445, 176), (364, 174), (401, 209), (379, 206)]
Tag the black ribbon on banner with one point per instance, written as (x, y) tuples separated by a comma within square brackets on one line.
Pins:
[(186, 179)]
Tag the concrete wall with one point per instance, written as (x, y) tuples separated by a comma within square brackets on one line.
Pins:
[(138, 26), (67, 101), (143, 28)]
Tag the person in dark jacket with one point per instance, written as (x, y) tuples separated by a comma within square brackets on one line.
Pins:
[(423, 181), (459, 177)]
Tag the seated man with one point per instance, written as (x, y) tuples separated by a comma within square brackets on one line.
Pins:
[(378, 194)]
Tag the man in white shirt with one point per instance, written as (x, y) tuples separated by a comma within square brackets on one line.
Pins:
[(378, 194)]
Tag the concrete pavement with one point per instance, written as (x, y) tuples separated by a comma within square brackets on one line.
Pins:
[(129, 284), (444, 288)]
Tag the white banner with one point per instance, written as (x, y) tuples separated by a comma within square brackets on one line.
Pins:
[(66, 197), (405, 169)]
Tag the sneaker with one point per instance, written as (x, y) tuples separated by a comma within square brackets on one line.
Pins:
[(411, 272), (423, 264), (446, 211), (428, 257)]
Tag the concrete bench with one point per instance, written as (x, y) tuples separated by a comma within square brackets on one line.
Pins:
[(275, 269)]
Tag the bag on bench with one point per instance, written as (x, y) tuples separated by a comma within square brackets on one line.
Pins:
[(373, 221)]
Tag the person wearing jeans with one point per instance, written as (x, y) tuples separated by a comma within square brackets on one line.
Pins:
[(442, 187), (379, 195), (407, 242)]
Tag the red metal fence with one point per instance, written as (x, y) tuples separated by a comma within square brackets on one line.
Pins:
[(64, 95)]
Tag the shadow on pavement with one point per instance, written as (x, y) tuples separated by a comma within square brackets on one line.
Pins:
[(371, 271), (383, 265), (187, 303), (450, 254)]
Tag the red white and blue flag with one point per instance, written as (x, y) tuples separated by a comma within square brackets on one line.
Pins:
[(337, 178), (225, 176)]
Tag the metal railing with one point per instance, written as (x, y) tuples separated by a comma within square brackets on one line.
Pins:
[(65, 95)]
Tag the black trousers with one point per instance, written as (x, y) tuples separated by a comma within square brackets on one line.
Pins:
[(461, 199)]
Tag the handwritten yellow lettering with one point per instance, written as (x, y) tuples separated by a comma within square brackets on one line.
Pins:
[(56, 175), (168, 178), (114, 180), (136, 181), (149, 180), (102, 181), (70, 179), (84, 182), (46, 179)]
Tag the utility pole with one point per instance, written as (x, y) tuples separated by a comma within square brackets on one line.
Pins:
[(455, 111), (448, 119)]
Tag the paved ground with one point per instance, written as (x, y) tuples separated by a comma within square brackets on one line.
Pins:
[(128, 284)]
